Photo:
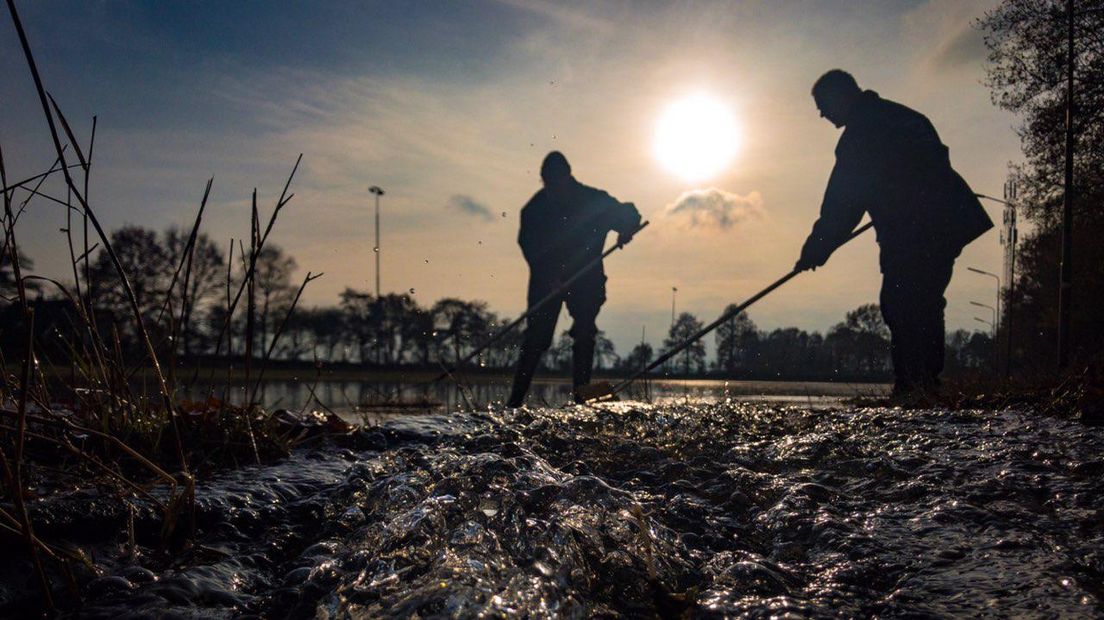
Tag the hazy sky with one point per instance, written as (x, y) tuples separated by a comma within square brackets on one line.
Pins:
[(450, 106)]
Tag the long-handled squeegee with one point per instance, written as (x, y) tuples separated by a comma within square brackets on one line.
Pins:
[(708, 328), (537, 306)]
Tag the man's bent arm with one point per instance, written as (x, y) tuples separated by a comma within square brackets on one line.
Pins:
[(840, 212), (621, 217)]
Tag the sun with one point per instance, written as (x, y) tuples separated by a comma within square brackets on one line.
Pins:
[(696, 138)]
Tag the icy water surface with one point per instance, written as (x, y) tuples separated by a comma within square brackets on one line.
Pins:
[(350, 395), (699, 510)]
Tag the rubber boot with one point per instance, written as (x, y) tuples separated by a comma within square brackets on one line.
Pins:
[(523, 376), (582, 361)]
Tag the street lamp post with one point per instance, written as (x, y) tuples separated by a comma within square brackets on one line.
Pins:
[(992, 327), (1009, 237), (674, 292), (1065, 288), (984, 322), (991, 308), (997, 320), (378, 191)]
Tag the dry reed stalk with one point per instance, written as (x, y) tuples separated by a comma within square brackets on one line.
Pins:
[(185, 309), (14, 475), (280, 330), (186, 254), (251, 292), (65, 443), (103, 362), (133, 302), (38, 177), (251, 307), (280, 204), (53, 552)]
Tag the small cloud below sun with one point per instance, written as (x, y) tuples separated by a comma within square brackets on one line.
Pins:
[(715, 209), (696, 138)]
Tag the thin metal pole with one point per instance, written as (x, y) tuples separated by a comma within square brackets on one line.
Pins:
[(674, 292), (1065, 289), (993, 323), (997, 278), (1011, 237), (379, 249), (996, 317), (378, 191), (992, 333), (985, 322), (1008, 307)]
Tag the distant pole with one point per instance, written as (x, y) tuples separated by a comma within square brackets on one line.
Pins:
[(378, 191), (1011, 236), (674, 291), (1065, 289), (993, 323), (985, 322), (997, 278), (993, 330)]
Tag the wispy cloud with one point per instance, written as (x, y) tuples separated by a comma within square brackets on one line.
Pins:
[(468, 205), (944, 33), (714, 208), (583, 18), (963, 48)]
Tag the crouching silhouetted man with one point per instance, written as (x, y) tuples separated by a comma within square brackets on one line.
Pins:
[(891, 163), (563, 227)]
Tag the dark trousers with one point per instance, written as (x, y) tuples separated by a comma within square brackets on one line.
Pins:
[(583, 304), (912, 305)]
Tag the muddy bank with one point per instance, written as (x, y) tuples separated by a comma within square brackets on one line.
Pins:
[(707, 509)]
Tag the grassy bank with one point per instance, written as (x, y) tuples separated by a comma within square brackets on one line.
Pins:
[(1076, 395)]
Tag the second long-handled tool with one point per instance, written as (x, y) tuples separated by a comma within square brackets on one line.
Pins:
[(714, 325), (532, 309)]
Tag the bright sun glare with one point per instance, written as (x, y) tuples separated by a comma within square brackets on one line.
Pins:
[(696, 138)]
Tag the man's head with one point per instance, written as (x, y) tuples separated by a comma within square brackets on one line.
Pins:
[(835, 94), (555, 171)]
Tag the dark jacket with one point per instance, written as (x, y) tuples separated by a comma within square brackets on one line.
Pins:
[(560, 234), (891, 163)]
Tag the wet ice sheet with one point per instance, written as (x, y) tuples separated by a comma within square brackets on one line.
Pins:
[(712, 509)]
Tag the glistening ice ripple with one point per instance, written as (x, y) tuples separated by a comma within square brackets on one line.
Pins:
[(705, 509)]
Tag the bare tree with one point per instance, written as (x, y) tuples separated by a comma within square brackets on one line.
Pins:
[(693, 357)]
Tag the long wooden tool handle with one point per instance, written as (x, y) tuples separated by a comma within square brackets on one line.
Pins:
[(537, 306), (724, 317)]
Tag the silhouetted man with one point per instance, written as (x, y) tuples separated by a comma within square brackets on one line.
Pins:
[(563, 227), (891, 164)]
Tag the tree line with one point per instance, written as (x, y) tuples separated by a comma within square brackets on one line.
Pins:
[(1026, 74), (392, 330)]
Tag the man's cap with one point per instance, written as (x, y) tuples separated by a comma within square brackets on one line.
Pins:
[(555, 166)]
